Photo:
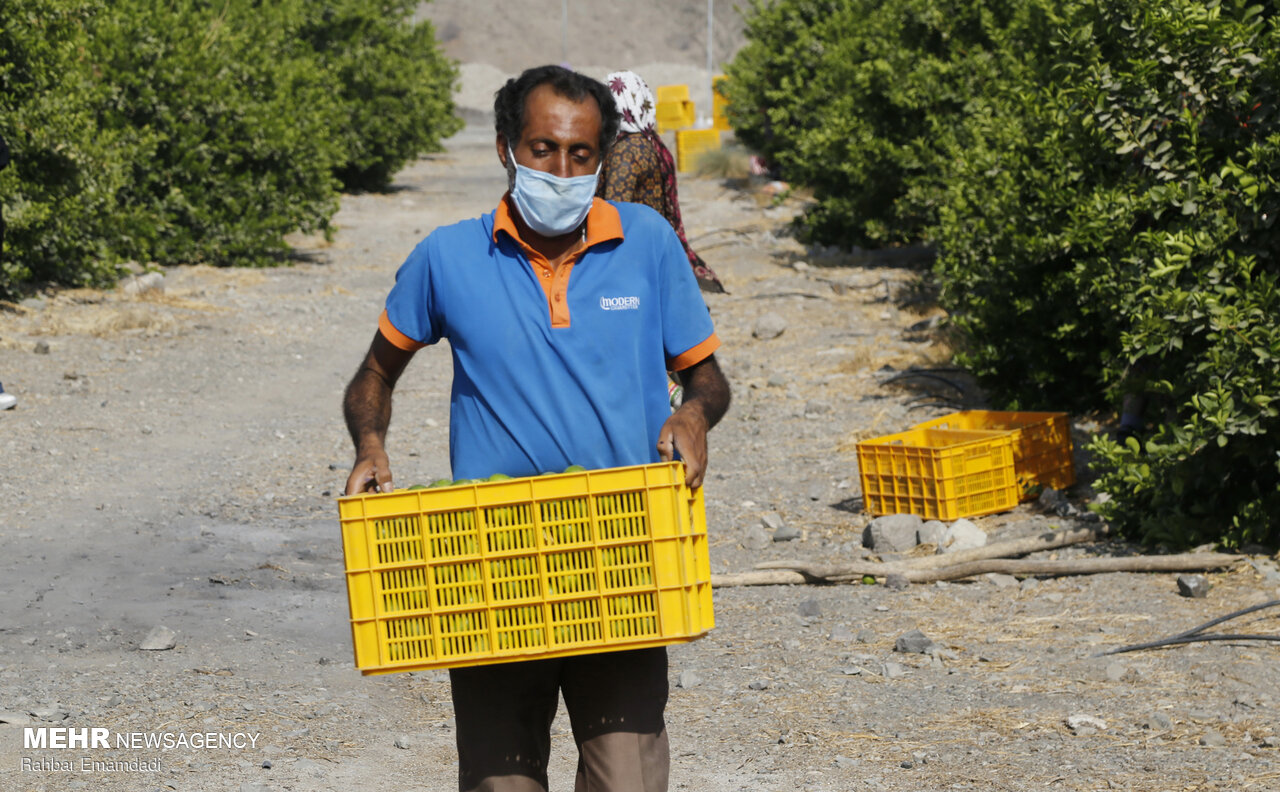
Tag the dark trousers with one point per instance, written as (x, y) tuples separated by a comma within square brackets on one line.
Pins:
[(615, 702)]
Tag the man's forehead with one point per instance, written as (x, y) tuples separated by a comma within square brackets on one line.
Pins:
[(546, 110)]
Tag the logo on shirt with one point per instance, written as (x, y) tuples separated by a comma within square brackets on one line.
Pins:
[(619, 303)]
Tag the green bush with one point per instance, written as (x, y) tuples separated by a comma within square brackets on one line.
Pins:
[(862, 99), (396, 85), (194, 131), (1112, 232), (241, 120), (59, 192)]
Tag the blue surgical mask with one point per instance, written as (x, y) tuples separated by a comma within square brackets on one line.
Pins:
[(552, 205)]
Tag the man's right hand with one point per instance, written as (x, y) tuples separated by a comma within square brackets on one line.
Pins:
[(366, 405), (371, 473)]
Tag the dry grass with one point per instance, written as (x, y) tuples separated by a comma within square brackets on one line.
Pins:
[(225, 276), (106, 321), (728, 162), (99, 313)]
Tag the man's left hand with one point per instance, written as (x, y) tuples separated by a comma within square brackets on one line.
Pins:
[(706, 398), (686, 432)]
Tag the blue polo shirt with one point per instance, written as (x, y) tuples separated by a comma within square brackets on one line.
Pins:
[(560, 367)]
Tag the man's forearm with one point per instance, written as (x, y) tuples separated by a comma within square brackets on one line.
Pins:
[(367, 409), (706, 390)]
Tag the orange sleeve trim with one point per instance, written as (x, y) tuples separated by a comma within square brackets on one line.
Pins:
[(397, 338), (697, 354)]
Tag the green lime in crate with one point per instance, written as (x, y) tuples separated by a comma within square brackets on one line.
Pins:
[(526, 568), (938, 474), (1042, 455)]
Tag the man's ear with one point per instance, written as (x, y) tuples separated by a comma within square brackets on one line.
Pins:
[(501, 145)]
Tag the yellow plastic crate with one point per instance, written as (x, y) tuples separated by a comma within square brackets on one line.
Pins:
[(1042, 455), (526, 568), (720, 104), (691, 143), (938, 474), (674, 110), (671, 93)]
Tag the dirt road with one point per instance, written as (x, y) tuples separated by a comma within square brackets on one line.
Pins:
[(174, 461)]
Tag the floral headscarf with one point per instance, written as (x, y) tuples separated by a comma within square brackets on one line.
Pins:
[(634, 99)]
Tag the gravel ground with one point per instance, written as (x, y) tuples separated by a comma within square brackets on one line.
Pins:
[(174, 460)]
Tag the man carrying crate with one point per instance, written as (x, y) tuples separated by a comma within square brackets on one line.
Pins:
[(563, 312)]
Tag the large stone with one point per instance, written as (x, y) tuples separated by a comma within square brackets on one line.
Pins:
[(932, 533), (841, 634), (892, 533), (1158, 722), (913, 642), (756, 538), (772, 521), (15, 718), (1213, 739), (151, 282), (1194, 586), (159, 639), (962, 535), (786, 533), (1080, 722), (1002, 581), (771, 325)]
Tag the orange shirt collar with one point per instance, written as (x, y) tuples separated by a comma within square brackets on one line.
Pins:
[(603, 222)]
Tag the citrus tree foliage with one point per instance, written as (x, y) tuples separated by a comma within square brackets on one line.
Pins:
[(201, 131), (862, 99), (1099, 180), (238, 121), (396, 85), (1112, 231), (59, 192)]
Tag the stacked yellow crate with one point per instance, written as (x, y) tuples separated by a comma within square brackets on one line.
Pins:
[(693, 143), (966, 464), (675, 110), (720, 104)]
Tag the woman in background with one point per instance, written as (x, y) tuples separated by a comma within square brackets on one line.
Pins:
[(639, 167)]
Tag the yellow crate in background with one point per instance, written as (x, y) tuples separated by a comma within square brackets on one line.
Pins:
[(671, 93), (526, 568), (1042, 455), (720, 104), (691, 144), (938, 474), (675, 110)]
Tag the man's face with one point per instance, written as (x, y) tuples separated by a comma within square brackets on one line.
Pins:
[(561, 136)]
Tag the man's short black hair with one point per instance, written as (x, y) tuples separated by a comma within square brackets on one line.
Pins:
[(509, 101)]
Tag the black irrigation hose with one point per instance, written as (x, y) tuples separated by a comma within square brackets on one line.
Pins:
[(1191, 639), (1228, 617), (1195, 634)]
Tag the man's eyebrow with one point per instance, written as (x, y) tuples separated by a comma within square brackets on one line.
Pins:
[(553, 143)]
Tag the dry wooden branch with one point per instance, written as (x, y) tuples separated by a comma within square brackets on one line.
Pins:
[(1082, 566), (1013, 547), (1187, 562), (772, 577)]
